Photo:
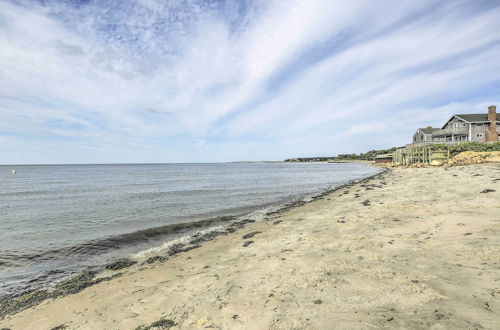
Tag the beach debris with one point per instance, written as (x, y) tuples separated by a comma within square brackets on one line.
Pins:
[(160, 324), (201, 322), (485, 191), (414, 281), (278, 221), (250, 235), (178, 248), (79, 282), (495, 292), (390, 319), (60, 327), (240, 224), (153, 259), (121, 263), (366, 202), (341, 221), (235, 316), (247, 243), (317, 302), (438, 315), (467, 234)]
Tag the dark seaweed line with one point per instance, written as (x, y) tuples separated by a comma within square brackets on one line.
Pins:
[(11, 305)]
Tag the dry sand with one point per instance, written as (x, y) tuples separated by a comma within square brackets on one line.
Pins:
[(414, 249)]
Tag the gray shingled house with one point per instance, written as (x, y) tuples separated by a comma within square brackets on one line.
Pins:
[(477, 127)]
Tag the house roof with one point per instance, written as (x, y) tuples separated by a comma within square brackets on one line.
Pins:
[(476, 117), (428, 130)]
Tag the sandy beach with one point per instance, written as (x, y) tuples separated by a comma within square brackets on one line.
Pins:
[(415, 248)]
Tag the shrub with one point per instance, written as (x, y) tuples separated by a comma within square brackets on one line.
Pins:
[(467, 146)]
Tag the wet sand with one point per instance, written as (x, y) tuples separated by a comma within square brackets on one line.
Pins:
[(412, 249)]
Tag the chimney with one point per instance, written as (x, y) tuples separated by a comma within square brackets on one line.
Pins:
[(492, 134)]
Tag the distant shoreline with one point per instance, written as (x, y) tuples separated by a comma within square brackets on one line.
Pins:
[(303, 162)]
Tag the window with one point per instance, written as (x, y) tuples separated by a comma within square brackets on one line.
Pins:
[(421, 137), (480, 135)]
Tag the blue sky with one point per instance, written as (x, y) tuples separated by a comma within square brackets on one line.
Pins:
[(204, 81)]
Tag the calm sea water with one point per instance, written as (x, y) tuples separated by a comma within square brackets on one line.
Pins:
[(56, 220)]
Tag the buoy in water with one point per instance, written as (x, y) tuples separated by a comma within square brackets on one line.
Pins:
[(13, 172)]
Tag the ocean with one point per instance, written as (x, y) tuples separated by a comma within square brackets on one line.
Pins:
[(56, 220)]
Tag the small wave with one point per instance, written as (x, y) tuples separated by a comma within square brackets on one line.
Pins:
[(183, 240), (95, 247)]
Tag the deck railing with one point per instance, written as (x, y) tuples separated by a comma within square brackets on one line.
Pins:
[(451, 131)]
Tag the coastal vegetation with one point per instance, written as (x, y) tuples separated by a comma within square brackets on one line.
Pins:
[(467, 146)]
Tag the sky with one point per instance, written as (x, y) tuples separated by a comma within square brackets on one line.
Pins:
[(120, 81)]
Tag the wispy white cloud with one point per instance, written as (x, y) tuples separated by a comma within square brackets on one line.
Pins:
[(199, 80)]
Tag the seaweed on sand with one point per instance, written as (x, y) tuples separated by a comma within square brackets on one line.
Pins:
[(160, 324)]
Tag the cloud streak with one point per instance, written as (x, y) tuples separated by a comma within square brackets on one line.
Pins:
[(156, 81)]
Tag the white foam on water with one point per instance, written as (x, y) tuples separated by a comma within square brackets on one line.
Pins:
[(183, 240)]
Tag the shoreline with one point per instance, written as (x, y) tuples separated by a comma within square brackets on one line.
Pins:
[(209, 229), (317, 257)]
